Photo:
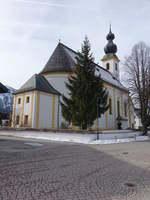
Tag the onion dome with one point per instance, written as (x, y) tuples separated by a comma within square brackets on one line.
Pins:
[(110, 47)]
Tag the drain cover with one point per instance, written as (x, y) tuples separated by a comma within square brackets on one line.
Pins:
[(21, 148), (3, 140), (125, 153), (130, 185)]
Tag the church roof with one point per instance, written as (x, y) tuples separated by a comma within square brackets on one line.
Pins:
[(37, 82), (110, 48), (63, 59), (3, 89)]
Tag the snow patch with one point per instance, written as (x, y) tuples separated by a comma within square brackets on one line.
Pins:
[(116, 141)]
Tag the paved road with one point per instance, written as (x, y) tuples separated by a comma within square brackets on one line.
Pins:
[(35, 170)]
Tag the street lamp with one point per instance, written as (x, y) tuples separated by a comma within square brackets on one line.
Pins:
[(97, 104)]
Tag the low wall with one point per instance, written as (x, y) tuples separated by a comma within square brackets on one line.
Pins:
[(107, 135), (84, 138), (65, 137)]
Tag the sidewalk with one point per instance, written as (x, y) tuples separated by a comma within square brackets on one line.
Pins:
[(86, 138)]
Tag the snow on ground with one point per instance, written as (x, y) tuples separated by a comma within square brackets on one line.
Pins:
[(72, 137), (115, 141)]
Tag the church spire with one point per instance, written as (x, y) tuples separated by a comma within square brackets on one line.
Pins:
[(110, 48), (110, 61)]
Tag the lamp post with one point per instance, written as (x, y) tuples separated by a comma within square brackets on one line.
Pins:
[(97, 102), (58, 112)]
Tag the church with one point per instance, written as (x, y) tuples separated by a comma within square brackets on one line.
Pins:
[(37, 102)]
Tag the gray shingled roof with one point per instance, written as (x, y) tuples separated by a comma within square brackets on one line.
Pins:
[(37, 82), (3, 89), (62, 59)]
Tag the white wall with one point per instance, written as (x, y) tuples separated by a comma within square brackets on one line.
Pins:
[(112, 68), (107, 121), (58, 81), (44, 104), (46, 111)]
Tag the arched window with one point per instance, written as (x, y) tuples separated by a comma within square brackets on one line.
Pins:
[(107, 66), (118, 107), (26, 119), (110, 106), (27, 99), (116, 67), (125, 109), (17, 119)]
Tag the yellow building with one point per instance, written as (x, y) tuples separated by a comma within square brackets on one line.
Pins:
[(37, 105)]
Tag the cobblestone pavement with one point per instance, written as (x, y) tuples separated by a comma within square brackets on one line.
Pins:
[(61, 171)]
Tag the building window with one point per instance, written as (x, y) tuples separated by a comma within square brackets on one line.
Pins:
[(116, 67), (27, 99), (118, 107), (17, 119), (125, 109), (110, 106), (107, 66), (19, 100), (26, 119)]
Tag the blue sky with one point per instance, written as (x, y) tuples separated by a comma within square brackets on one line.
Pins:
[(30, 30)]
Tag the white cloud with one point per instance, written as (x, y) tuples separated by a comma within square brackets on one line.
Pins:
[(45, 3), (30, 29)]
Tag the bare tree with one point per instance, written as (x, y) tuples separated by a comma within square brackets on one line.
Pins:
[(137, 67)]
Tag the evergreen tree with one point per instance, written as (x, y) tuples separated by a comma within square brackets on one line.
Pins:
[(87, 96)]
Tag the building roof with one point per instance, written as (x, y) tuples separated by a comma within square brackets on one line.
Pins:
[(37, 82), (110, 47), (3, 89), (63, 59)]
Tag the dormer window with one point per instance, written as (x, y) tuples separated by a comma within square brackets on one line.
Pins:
[(116, 67), (107, 66)]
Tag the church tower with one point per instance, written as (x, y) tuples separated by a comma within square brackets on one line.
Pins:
[(110, 61)]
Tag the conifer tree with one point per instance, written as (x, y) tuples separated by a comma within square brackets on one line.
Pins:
[(87, 98)]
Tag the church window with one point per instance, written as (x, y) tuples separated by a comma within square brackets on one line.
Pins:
[(110, 106), (125, 109), (17, 119), (27, 99), (107, 66), (118, 107), (19, 101), (116, 67), (26, 119)]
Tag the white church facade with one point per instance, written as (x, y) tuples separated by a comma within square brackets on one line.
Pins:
[(37, 102)]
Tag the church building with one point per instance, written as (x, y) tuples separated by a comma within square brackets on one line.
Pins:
[(37, 102)]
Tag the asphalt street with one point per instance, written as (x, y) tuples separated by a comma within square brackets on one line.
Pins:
[(38, 170)]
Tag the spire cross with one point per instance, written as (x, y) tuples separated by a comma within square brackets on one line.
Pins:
[(110, 26)]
